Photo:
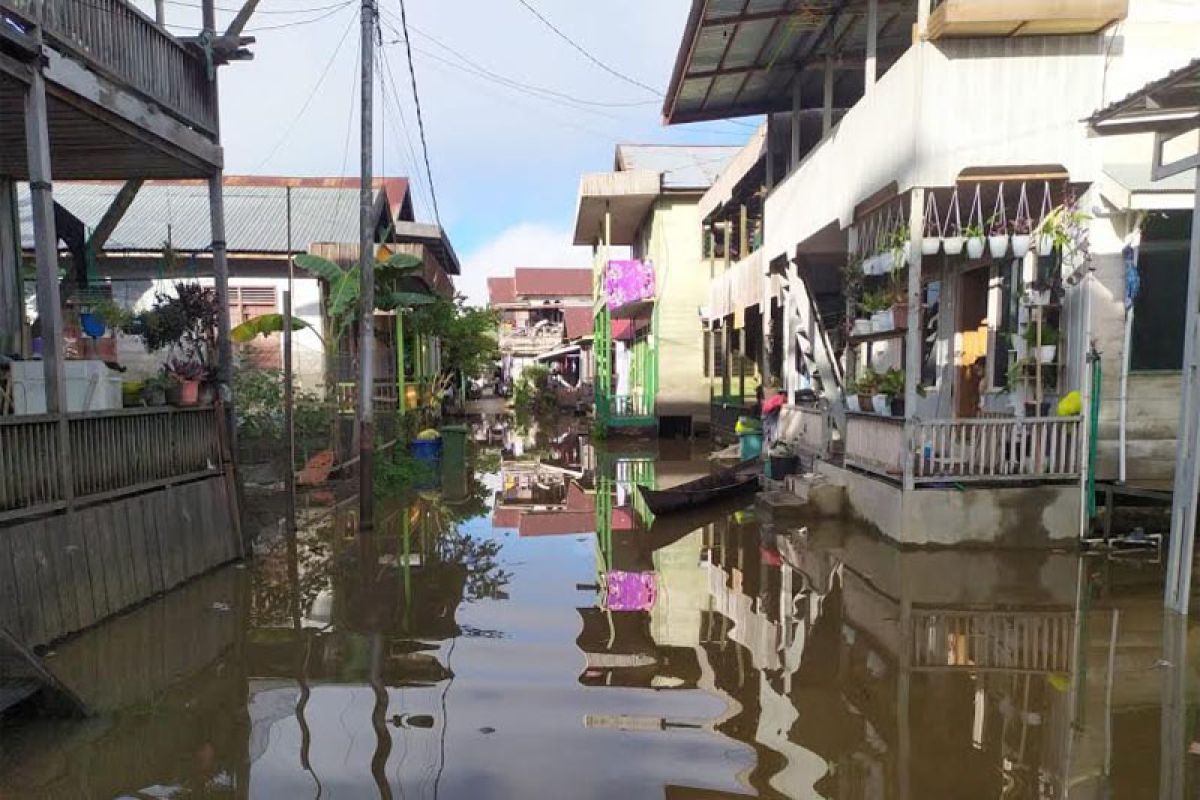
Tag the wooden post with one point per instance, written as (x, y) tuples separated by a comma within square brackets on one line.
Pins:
[(869, 68), (913, 338), (366, 265), (12, 305), (401, 384), (797, 108), (41, 198), (726, 366), (1187, 475), (742, 361), (770, 165), (289, 420), (743, 232), (827, 108)]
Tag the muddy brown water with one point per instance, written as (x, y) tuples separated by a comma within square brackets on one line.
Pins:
[(537, 638)]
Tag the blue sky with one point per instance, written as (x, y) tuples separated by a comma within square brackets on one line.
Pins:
[(505, 164)]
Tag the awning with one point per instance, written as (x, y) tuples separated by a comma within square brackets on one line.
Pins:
[(565, 350)]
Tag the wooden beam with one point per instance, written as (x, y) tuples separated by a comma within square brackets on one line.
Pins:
[(724, 53), (108, 223), (869, 68), (12, 307)]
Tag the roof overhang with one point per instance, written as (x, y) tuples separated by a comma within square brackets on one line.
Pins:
[(434, 238), (741, 58), (723, 190), (1168, 108), (626, 196)]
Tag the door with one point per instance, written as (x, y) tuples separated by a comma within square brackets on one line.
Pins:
[(971, 341)]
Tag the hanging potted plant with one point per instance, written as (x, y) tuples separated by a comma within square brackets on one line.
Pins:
[(953, 238), (877, 305), (1046, 238), (899, 248), (974, 229), (899, 306), (1022, 226), (187, 374), (850, 395), (892, 386), (881, 402), (931, 233), (1044, 346), (867, 385), (998, 227)]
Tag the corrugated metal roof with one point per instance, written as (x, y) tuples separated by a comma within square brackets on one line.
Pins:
[(255, 215), (502, 290), (1181, 84), (681, 166)]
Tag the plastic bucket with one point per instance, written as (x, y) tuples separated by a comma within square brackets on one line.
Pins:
[(425, 449), (749, 445)]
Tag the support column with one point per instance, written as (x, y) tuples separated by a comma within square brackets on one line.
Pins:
[(726, 365), (869, 67), (12, 310), (216, 210), (1187, 474), (827, 108), (797, 108), (770, 155), (913, 338)]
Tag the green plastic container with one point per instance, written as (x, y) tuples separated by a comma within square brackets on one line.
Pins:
[(454, 444)]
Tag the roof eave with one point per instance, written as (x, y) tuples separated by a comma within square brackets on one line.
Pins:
[(690, 32)]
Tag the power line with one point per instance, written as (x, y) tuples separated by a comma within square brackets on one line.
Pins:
[(402, 123), (312, 93), (412, 73), (183, 4), (280, 26), (585, 53)]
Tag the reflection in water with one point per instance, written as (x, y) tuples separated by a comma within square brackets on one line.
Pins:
[(563, 643)]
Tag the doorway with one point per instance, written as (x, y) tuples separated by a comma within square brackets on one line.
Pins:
[(971, 334)]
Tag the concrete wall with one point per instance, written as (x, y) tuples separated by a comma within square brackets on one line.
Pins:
[(671, 238), (1037, 516)]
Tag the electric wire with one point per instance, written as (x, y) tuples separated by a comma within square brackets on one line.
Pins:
[(415, 175), (412, 73)]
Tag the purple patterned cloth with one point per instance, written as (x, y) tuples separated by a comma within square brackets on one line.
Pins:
[(627, 282), (631, 591)]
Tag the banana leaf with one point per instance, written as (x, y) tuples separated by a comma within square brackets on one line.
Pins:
[(391, 300), (321, 267), (264, 325), (400, 262)]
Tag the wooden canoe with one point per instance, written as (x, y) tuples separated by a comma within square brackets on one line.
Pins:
[(719, 485)]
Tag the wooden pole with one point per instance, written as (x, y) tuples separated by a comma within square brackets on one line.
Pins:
[(827, 108), (869, 68), (289, 416), (913, 339), (366, 264), (1187, 474), (12, 306), (797, 107)]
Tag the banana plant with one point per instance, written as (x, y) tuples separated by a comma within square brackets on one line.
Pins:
[(265, 325), (345, 286)]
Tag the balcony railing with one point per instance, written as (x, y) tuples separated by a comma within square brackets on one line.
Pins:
[(1006, 450), (115, 39), (993, 640), (110, 453)]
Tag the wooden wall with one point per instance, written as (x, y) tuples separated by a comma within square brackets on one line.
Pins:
[(66, 572)]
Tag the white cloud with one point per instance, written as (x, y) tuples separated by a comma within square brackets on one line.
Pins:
[(525, 245)]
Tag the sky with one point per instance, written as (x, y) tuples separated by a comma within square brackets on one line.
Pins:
[(505, 161)]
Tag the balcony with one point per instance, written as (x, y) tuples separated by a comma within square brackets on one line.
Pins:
[(977, 18)]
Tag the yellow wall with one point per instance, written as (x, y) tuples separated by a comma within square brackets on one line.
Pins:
[(671, 238)]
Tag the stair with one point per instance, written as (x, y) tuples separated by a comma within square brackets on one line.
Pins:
[(13, 692), (22, 675)]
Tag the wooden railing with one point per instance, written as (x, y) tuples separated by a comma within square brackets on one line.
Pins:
[(109, 453), (386, 396), (1044, 448), (1039, 641), (875, 444), (116, 39)]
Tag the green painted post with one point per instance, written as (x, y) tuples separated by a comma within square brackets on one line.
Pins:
[(400, 388)]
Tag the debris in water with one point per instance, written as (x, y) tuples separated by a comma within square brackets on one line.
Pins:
[(220, 607), (486, 730)]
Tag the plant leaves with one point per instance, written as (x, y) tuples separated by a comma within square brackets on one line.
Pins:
[(400, 262), (343, 296), (389, 301), (263, 325), (321, 267)]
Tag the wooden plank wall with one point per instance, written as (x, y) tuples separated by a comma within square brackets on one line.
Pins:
[(63, 573)]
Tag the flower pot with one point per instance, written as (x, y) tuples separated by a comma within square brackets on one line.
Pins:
[(189, 393), (881, 321), (154, 396), (1045, 245), (899, 314), (975, 247), (899, 259), (862, 327), (207, 394), (1046, 353), (882, 405), (852, 404), (897, 406), (865, 405), (953, 245), (1020, 244), (998, 245), (930, 246)]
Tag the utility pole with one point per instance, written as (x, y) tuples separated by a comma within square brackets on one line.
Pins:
[(366, 264)]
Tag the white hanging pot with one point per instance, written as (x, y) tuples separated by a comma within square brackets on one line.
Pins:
[(1045, 244), (998, 245), (852, 404), (882, 405), (954, 245), (868, 264), (881, 321), (930, 245), (1046, 353), (975, 247), (1020, 244)]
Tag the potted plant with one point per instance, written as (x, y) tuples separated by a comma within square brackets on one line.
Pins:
[(892, 386), (866, 386), (1022, 227), (1016, 385), (850, 394), (931, 233), (998, 236), (953, 238), (876, 305), (899, 248), (1045, 342), (899, 304), (153, 390), (975, 241), (187, 375), (1040, 292)]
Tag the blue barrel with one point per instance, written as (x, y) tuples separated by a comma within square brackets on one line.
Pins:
[(425, 449)]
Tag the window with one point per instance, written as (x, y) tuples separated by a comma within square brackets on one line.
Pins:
[(247, 302), (1160, 308)]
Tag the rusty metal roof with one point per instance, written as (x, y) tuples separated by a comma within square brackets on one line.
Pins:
[(553, 282), (741, 57), (682, 167)]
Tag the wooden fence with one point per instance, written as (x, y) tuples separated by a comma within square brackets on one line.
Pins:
[(116, 39), (875, 444), (1007, 449), (1038, 641), (109, 453)]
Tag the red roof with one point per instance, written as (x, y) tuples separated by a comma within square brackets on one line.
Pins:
[(502, 290), (557, 523), (579, 321), (506, 517), (553, 282), (579, 500)]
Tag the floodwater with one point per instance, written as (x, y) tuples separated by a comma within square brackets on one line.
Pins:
[(527, 634)]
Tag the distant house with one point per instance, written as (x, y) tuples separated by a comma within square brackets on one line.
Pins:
[(544, 314)]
